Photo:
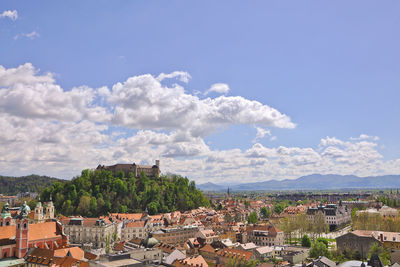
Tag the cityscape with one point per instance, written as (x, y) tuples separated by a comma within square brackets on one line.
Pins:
[(199, 134)]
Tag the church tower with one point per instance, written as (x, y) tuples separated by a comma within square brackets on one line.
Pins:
[(49, 210), (21, 237), (38, 212)]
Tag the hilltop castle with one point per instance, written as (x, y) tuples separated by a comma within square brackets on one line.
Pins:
[(149, 171)]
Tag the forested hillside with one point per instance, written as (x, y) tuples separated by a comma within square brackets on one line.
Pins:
[(32, 183), (98, 192)]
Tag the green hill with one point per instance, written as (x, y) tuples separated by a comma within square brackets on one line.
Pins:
[(31, 183), (99, 192)]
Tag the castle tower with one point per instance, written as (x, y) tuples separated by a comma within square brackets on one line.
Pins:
[(21, 237), (49, 210), (38, 212)]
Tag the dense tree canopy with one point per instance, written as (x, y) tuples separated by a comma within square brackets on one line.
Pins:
[(306, 241), (319, 249), (31, 183), (99, 192), (265, 212), (253, 218)]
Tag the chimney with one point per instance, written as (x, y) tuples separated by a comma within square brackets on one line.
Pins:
[(381, 237), (158, 163)]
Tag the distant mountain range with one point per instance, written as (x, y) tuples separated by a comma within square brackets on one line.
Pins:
[(312, 182)]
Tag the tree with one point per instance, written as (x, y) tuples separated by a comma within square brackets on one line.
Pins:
[(288, 225), (320, 225), (84, 204), (323, 240), (253, 218), (377, 249), (306, 241), (319, 249), (302, 223), (279, 207), (265, 212), (108, 241), (99, 192), (93, 206), (67, 208)]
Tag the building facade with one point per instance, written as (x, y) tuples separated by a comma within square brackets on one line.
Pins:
[(265, 235), (148, 170), (334, 215), (97, 232), (359, 240), (175, 235)]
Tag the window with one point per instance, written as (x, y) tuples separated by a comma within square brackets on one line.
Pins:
[(24, 225)]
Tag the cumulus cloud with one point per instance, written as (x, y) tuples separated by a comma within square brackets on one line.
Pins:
[(49, 130), (11, 14), (221, 88), (143, 102)]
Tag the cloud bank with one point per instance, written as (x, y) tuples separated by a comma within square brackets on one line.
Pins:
[(47, 129)]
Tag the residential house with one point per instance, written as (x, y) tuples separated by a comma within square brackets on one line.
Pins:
[(265, 235)]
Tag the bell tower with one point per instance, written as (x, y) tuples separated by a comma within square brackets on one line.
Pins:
[(49, 210), (21, 237), (38, 212)]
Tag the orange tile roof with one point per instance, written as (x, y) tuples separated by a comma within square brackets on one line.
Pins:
[(69, 262), (135, 224), (156, 217), (90, 256), (127, 216), (119, 246), (45, 230), (76, 252), (232, 252), (196, 260), (208, 248), (7, 232)]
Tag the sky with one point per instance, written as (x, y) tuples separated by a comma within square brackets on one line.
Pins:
[(219, 91)]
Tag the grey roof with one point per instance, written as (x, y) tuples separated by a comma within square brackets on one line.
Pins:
[(323, 262)]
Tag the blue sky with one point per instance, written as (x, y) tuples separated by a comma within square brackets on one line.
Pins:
[(331, 66)]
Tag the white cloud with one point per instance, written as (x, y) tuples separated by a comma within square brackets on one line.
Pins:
[(261, 133), (49, 130), (142, 102), (221, 88), (11, 14), (32, 35), (181, 75), (365, 137)]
